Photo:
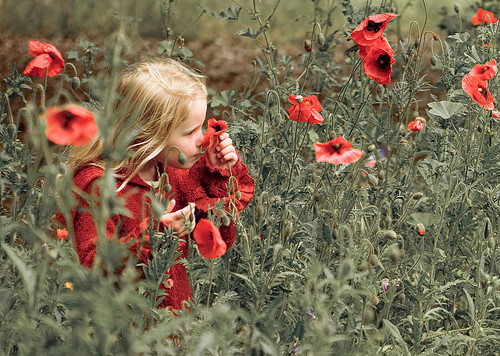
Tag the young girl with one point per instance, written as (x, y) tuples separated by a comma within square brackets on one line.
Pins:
[(163, 103)]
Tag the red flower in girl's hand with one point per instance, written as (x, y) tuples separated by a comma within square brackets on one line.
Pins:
[(483, 17), (215, 128), (48, 60), (208, 239), (378, 62), (305, 111), (337, 151), (70, 125), (371, 29)]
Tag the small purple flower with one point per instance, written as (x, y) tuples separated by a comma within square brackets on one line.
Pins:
[(311, 314), (385, 283)]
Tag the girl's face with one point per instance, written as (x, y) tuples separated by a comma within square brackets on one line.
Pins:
[(187, 136)]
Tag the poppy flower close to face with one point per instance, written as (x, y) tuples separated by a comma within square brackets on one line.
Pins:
[(48, 60), (483, 17), (215, 128), (484, 71), (371, 29), (478, 91), (337, 151), (416, 125), (70, 125), (208, 239), (305, 111), (378, 62)]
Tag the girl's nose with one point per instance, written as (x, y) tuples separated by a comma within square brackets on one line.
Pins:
[(199, 139)]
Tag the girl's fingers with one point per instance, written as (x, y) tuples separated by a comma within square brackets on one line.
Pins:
[(226, 150)]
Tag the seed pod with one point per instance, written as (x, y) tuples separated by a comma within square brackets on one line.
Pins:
[(371, 148), (307, 45), (417, 196), (433, 60), (390, 234), (75, 83), (182, 158), (373, 260), (321, 39)]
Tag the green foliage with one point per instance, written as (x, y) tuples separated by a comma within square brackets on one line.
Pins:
[(328, 258)]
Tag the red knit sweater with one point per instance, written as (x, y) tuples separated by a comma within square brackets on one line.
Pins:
[(202, 184)]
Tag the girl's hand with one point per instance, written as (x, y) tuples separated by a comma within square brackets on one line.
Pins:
[(175, 219), (222, 152)]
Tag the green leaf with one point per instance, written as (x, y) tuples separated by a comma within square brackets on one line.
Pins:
[(230, 13), (396, 334), (445, 109), (26, 273), (224, 98)]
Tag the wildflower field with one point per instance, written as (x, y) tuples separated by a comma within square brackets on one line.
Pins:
[(374, 226)]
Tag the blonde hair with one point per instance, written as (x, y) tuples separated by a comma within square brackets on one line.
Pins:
[(155, 98)]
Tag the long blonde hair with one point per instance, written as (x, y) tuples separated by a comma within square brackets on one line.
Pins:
[(155, 97)]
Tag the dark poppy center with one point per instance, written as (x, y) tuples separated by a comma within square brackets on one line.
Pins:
[(336, 147), (217, 128), (384, 61), (374, 26), (67, 118)]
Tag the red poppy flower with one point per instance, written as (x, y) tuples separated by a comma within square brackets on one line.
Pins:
[(378, 62), (62, 234), (371, 29), (208, 239), (382, 41), (484, 71), (48, 60), (483, 17), (478, 91), (337, 151), (215, 128), (70, 125), (495, 114), (305, 111), (416, 125)]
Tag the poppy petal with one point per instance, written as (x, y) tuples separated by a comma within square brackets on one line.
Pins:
[(208, 239)]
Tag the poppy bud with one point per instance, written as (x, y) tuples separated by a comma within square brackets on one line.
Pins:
[(391, 234), (491, 243), (307, 45), (238, 195), (435, 36), (372, 180), (182, 158), (370, 148), (394, 253), (287, 231), (368, 315), (456, 7), (299, 98), (346, 267), (402, 297), (381, 174), (259, 210), (321, 39), (167, 188), (62, 168), (363, 267), (417, 42), (225, 220), (433, 60), (388, 221), (420, 229), (11, 130), (75, 83), (417, 196), (373, 260), (374, 300)]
